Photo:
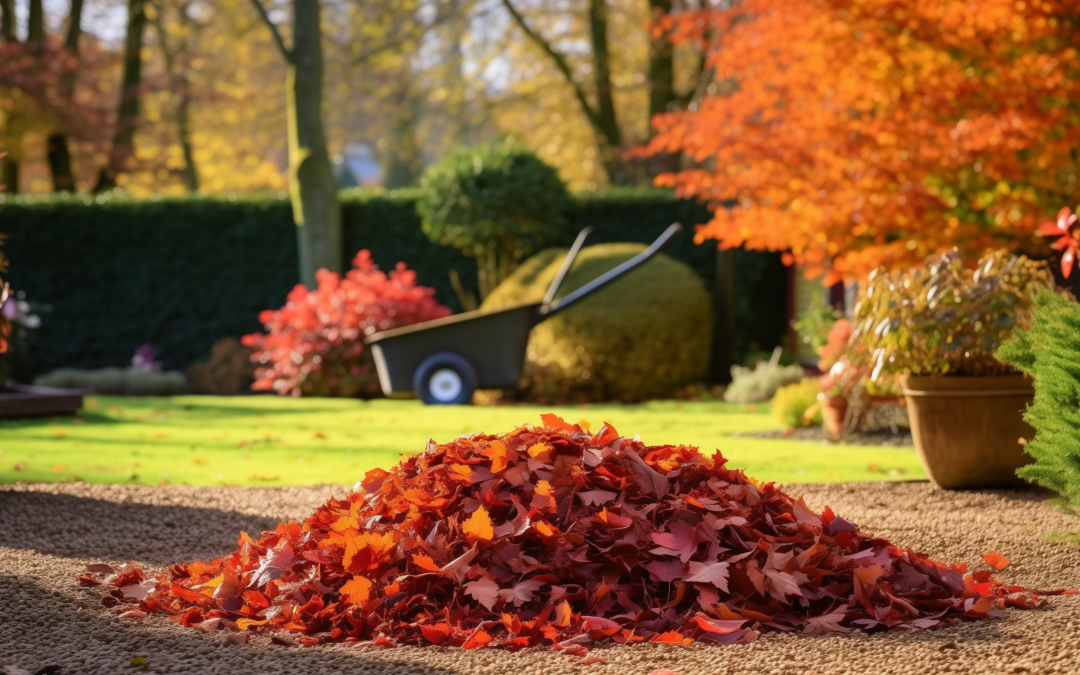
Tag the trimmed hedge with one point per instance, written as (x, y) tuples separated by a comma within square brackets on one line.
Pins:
[(180, 273)]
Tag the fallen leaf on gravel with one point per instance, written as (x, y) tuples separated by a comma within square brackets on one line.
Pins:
[(244, 624), (100, 568), (554, 537), (134, 614), (139, 662), (996, 560), (235, 639)]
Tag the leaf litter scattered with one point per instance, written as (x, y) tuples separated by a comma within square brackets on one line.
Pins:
[(550, 536)]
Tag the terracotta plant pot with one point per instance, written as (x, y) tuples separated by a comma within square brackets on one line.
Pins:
[(833, 412), (966, 429)]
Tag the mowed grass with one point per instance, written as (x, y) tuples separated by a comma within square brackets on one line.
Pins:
[(265, 440)]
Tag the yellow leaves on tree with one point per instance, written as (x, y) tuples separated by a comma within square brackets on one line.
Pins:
[(856, 134)]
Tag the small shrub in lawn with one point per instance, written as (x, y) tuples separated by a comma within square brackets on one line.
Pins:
[(314, 344), (753, 385), (792, 401)]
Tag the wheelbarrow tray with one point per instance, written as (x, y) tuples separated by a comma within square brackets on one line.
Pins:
[(494, 341)]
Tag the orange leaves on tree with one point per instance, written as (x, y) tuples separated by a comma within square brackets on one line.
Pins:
[(996, 560), (603, 540), (848, 144), (357, 590)]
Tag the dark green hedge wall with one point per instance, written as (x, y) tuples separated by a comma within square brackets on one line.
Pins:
[(180, 273)]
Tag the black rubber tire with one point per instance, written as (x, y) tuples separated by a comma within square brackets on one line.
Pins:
[(445, 361)]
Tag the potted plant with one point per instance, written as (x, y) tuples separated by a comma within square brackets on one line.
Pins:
[(938, 328)]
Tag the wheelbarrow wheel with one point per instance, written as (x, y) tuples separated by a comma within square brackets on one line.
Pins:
[(445, 378)]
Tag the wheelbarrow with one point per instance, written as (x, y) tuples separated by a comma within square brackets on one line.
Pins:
[(442, 362)]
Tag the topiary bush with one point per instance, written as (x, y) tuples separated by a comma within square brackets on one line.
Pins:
[(495, 203), (1049, 353), (792, 401), (640, 337)]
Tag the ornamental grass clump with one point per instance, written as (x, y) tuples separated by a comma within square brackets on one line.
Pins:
[(552, 536), (1049, 353), (945, 318)]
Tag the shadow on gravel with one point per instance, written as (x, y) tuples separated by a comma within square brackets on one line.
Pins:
[(69, 629), (79, 527)]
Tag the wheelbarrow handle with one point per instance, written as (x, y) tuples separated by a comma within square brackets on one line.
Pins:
[(571, 256), (549, 310)]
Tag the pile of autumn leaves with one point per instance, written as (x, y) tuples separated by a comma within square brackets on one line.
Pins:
[(552, 536)]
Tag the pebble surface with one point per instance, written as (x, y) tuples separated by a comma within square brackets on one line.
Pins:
[(49, 532)]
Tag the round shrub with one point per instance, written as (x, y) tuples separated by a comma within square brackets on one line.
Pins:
[(640, 337), (495, 203), (790, 403)]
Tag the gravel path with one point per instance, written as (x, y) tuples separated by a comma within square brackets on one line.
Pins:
[(48, 533)]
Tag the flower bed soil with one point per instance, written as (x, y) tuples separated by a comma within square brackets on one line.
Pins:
[(51, 532), (883, 437)]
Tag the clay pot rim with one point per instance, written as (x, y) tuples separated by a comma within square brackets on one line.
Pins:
[(966, 386)]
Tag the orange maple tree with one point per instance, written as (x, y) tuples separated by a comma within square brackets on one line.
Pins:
[(857, 133)]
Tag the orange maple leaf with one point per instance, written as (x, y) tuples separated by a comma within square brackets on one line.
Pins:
[(672, 637), (479, 525), (357, 590), (479, 639), (562, 614), (996, 560), (552, 421), (497, 452), (424, 562)]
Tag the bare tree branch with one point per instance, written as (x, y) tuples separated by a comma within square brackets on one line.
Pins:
[(285, 51), (560, 63)]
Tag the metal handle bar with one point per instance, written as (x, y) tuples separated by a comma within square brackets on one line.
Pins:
[(571, 256), (546, 311)]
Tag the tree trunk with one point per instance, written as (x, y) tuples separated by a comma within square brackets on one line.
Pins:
[(404, 160), (128, 110), (183, 131), (611, 143), (35, 26), (661, 64), (7, 20), (63, 178), (9, 174), (316, 210)]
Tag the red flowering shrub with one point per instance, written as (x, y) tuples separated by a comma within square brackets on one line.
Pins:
[(314, 344)]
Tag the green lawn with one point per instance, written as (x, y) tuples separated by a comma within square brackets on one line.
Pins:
[(265, 440)]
